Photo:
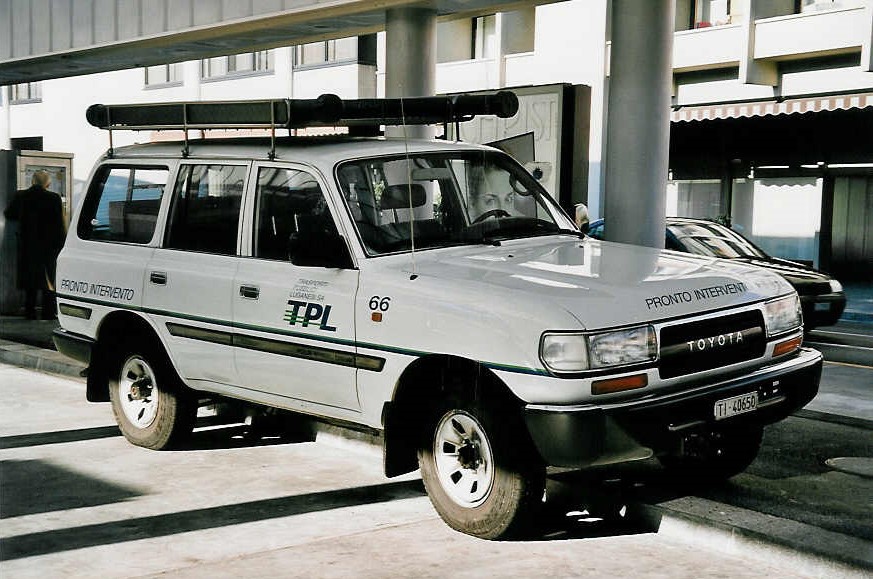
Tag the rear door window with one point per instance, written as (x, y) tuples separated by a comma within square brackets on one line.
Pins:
[(206, 207)]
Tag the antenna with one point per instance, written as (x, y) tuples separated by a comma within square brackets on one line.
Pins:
[(409, 191)]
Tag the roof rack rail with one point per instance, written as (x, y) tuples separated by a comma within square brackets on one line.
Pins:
[(328, 110)]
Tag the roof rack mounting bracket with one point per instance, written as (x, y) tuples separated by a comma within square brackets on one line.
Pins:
[(272, 154), (185, 149), (111, 151)]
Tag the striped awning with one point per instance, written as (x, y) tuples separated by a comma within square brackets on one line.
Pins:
[(763, 108)]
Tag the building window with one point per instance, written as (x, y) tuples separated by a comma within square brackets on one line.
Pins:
[(28, 92), (818, 5), (163, 74), (706, 13), (484, 36), (355, 49), (237, 65)]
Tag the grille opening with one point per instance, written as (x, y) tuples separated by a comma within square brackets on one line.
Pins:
[(713, 343)]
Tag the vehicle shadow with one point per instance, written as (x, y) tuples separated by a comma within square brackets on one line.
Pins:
[(211, 433), (604, 502)]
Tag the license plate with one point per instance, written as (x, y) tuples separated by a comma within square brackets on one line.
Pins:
[(736, 405), (822, 307)]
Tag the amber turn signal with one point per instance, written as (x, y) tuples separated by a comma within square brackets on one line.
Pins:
[(619, 384), (787, 346)]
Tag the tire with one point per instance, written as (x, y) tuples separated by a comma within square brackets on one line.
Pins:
[(480, 471), (152, 407), (715, 457)]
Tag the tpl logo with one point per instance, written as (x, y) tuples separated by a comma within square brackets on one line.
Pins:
[(312, 314)]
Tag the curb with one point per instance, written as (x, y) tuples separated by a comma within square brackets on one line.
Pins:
[(844, 353), (802, 548), (39, 359), (856, 316)]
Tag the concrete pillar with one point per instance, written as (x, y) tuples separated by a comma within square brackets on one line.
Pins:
[(638, 121), (410, 60), (754, 71)]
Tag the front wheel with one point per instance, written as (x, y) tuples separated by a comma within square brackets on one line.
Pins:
[(151, 405), (479, 472)]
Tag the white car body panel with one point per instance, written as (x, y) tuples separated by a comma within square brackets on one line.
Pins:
[(482, 303)]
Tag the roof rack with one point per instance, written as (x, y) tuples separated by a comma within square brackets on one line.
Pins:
[(328, 110)]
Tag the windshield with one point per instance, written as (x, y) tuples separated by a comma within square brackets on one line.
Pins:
[(714, 240), (444, 199)]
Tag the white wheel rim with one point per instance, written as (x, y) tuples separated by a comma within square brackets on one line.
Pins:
[(138, 392), (463, 459)]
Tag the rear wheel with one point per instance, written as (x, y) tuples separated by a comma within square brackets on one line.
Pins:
[(716, 456), (480, 472), (152, 407)]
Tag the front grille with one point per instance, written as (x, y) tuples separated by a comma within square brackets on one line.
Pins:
[(713, 343)]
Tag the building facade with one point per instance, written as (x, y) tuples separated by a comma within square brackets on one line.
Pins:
[(772, 116)]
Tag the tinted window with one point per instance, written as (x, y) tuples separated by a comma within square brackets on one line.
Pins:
[(713, 240), (123, 204), (206, 205), (291, 211)]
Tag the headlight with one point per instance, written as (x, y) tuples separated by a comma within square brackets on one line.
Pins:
[(782, 315), (564, 352), (836, 286), (579, 352)]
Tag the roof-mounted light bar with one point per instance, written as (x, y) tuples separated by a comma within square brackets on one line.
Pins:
[(328, 110)]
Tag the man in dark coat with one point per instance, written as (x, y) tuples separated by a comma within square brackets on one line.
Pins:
[(39, 214)]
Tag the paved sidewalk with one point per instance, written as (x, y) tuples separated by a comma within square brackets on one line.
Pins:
[(845, 397)]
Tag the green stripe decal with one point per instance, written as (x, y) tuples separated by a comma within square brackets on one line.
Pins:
[(362, 361)]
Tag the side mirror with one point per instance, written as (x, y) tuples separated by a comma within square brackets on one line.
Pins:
[(321, 249)]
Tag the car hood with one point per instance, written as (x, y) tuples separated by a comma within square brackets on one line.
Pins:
[(600, 283), (796, 273)]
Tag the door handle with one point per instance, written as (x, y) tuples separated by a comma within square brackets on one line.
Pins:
[(158, 277), (249, 291)]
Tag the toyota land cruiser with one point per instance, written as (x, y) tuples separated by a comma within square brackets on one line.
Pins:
[(429, 291)]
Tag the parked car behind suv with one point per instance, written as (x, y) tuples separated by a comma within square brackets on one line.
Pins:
[(821, 296), (431, 292)]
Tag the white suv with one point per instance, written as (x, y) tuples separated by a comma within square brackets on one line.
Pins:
[(429, 291)]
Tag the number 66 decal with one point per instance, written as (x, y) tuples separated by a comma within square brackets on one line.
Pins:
[(380, 304)]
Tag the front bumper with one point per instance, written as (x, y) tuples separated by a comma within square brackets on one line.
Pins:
[(73, 345), (590, 434)]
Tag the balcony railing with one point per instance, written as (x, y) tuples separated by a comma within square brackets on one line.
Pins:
[(703, 48), (811, 34)]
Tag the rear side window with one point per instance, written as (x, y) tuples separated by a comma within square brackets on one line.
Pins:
[(205, 210), (123, 204)]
